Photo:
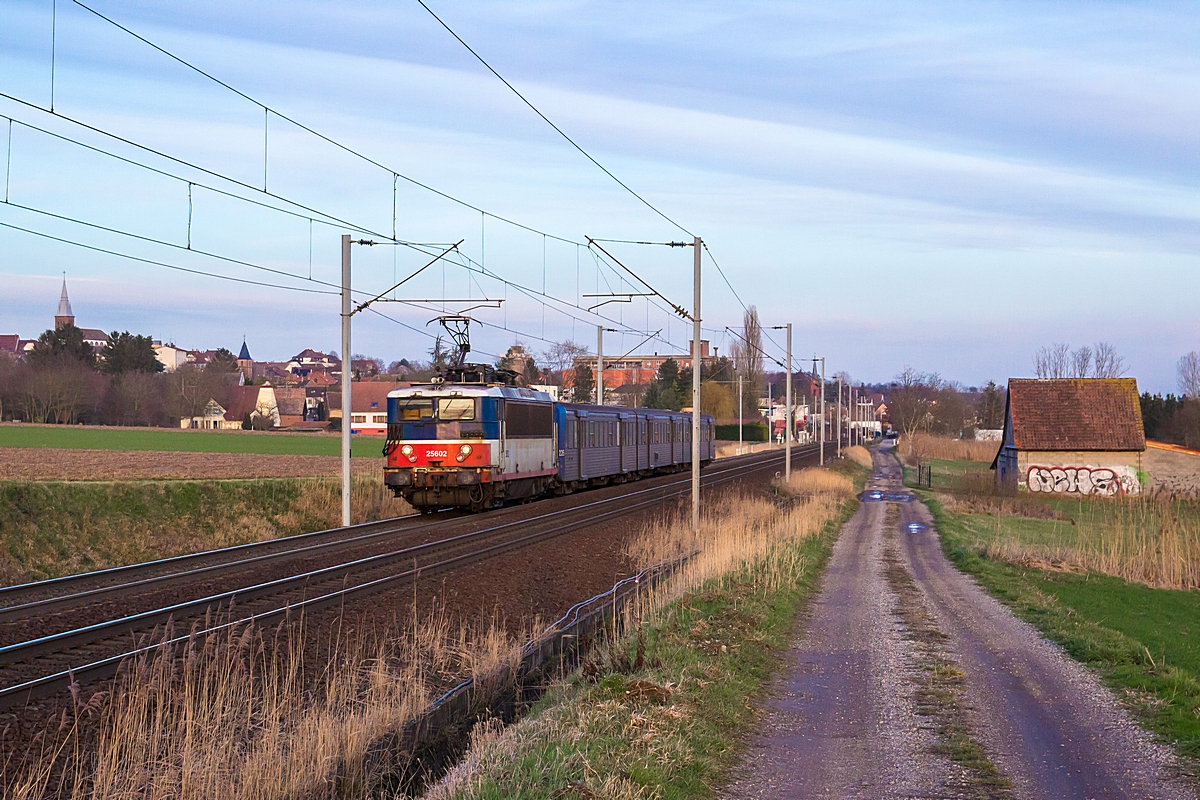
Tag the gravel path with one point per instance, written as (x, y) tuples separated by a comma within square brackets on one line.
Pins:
[(840, 722)]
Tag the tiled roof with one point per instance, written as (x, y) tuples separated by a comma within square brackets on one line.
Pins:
[(1076, 414), (367, 396), (243, 400)]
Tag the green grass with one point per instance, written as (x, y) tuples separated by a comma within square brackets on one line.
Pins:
[(948, 474), (1144, 642), (81, 437)]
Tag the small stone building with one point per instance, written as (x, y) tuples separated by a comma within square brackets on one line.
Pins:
[(1072, 436)]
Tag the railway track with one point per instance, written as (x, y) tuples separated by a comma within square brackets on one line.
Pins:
[(49, 663)]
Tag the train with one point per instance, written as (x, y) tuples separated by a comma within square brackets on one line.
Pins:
[(475, 444)]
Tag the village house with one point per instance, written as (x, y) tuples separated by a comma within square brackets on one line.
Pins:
[(1073, 436), (369, 399), (250, 403)]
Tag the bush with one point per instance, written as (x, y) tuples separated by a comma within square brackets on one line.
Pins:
[(751, 432)]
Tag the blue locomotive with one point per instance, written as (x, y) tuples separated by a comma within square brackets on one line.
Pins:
[(477, 445)]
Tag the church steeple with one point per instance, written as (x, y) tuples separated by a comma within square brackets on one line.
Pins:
[(64, 315)]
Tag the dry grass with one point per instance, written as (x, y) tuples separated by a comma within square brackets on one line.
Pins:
[(819, 483), (1148, 539), (859, 455), (236, 717), (921, 446), (601, 743), (53, 529), (239, 715)]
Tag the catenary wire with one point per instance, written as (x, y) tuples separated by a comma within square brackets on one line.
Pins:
[(396, 175), (163, 263), (314, 132), (547, 120)]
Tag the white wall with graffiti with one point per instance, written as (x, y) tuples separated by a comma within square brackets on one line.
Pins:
[(1088, 473), (1082, 480)]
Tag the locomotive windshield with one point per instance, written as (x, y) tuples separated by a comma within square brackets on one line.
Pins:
[(456, 408), (413, 409)]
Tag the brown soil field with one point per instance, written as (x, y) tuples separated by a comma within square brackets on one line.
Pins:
[(50, 464)]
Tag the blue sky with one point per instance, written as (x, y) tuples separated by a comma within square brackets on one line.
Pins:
[(946, 185)]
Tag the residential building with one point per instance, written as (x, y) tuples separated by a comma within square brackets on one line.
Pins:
[(10, 345), (1072, 436), (369, 398), (640, 370), (255, 402), (170, 356)]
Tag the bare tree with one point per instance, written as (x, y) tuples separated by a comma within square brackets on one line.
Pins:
[(1060, 361), (1052, 362), (748, 361), (911, 399), (1081, 362), (561, 356), (1107, 363), (1189, 375)]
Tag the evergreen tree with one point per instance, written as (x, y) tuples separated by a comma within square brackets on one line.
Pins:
[(584, 388), (664, 391), (124, 352), (60, 344), (222, 361), (991, 407)]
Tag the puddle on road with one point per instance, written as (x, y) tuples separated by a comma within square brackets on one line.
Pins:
[(886, 496)]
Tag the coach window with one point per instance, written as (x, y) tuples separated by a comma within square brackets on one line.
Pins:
[(451, 409)]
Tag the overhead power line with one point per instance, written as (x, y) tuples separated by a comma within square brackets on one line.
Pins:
[(163, 263), (547, 120), (323, 137)]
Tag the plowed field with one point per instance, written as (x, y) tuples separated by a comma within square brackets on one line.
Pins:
[(48, 464)]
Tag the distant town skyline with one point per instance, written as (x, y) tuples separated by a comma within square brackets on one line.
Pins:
[(939, 185)]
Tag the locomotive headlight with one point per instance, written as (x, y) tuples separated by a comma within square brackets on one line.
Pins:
[(406, 450), (463, 452)]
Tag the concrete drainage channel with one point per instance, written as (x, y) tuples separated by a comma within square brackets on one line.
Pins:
[(419, 754)]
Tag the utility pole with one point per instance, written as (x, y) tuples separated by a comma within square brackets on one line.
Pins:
[(696, 244), (787, 454), (822, 409), (739, 414), (599, 365), (839, 417), (346, 374)]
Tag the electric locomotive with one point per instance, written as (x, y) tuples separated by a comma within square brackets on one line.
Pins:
[(475, 441)]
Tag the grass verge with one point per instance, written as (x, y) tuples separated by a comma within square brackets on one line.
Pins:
[(661, 714), (1144, 642), (48, 529)]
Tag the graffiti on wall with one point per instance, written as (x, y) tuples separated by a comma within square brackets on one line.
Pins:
[(1103, 481)]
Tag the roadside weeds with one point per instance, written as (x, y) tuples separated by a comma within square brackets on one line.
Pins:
[(662, 711)]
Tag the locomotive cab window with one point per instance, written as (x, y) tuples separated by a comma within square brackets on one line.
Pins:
[(414, 409), (452, 409)]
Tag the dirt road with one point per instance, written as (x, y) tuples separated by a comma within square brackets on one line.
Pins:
[(910, 681)]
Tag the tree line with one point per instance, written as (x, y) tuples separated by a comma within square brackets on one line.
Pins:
[(63, 380)]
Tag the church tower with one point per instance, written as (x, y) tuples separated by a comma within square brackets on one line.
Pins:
[(63, 316), (245, 362)]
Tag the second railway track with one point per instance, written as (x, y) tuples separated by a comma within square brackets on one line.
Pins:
[(50, 661)]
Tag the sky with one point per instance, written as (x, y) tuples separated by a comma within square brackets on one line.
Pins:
[(947, 186)]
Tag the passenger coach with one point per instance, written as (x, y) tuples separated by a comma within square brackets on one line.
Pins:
[(478, 446)]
